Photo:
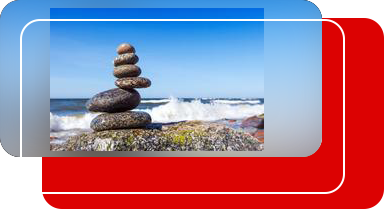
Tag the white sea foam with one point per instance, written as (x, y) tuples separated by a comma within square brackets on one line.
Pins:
[(62, 123), (177, 110)]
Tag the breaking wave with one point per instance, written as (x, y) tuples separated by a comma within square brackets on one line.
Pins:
[(62, 123), (178, 110), (173, 111)]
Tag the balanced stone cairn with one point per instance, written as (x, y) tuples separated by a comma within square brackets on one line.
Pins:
[(116, 103)]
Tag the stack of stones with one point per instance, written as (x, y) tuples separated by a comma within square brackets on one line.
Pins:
[(117, 103)]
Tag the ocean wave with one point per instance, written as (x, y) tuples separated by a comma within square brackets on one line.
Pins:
[(177, 110), (62, 123), (173, 111)]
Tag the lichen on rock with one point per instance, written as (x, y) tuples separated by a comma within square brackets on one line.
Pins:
[(183, 136)]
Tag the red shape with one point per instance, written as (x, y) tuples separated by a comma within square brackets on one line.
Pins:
[(363, 186), (320, 172)]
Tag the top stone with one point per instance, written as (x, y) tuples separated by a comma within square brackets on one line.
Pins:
[(125, 48)]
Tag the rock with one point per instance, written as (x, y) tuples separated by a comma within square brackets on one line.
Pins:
[(250, 129), (52, 138), (183, 136), (261, 125), (132, 82), (253, 121), (125, 48), (128, 58), (122, 120), (123, 71), (57, 147), (114, 100), (260, 136)]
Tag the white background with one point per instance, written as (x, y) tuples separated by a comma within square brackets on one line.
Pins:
[(353, 8), (20, 179)]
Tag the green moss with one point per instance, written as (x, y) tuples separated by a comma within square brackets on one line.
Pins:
[(109, 146), (178, 139), (185, 132), (129, 140)]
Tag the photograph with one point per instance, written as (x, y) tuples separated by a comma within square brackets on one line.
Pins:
[(157, 86)]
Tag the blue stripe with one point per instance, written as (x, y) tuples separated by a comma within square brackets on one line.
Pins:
[(157, 13)]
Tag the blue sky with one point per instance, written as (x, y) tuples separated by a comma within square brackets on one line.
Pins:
[(182, 59)]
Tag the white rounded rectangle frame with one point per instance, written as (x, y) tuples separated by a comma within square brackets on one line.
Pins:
[(190, 20)]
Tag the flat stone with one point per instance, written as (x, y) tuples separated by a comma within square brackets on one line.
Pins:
[(125, 48), (123, 71), (122, 120), (128, 58), (253, 121), (114, 100), (133, 82)]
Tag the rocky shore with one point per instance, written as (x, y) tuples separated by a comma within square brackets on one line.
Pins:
[(182, 136)]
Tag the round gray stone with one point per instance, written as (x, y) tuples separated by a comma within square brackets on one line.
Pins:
[(125, 48), (133, 82), (128, 58), (123, 71), (122, 120), (114, 100)]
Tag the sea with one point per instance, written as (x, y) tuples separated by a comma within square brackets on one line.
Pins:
[(69, 117)]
